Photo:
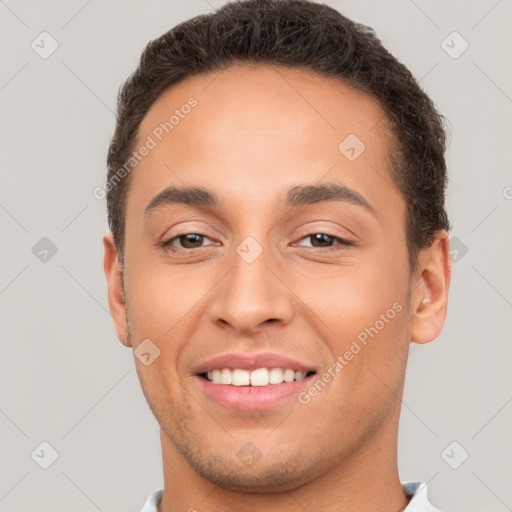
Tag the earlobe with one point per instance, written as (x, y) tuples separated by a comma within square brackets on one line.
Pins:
[(116, 297), (430, 294)]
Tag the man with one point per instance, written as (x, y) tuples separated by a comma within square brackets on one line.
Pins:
[(279, 237)]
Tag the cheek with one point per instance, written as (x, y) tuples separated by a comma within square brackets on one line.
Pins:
[(163, 395), (350, 298), (161, 298), (362, 316)]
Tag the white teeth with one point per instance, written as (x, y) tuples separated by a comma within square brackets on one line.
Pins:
[(275, 376), (258, 377), (216, 376), (288, 375), (225, 376), (239, 377)]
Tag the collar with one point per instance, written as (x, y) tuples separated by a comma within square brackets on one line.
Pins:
[(416, 491)]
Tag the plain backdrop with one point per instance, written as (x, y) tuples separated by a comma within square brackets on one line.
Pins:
[(67, 382)]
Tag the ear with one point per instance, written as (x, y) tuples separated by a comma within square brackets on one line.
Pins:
[(115, 289), (429, 298)]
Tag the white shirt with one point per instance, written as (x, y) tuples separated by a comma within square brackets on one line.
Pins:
[(417, 491)]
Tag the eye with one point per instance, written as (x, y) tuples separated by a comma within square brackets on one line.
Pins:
[(325, 240), (187, 241)]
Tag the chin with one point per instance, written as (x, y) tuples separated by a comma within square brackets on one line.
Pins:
[(229, 472)]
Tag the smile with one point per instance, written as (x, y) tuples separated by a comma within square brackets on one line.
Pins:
[(257, 377)]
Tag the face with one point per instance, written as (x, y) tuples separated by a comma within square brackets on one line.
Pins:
[(287, 260)]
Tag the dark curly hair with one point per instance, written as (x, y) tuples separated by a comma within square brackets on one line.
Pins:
[(298, 34)]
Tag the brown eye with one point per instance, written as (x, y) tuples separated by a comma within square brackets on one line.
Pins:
[(324, 240), (186, 241), (190, 241)]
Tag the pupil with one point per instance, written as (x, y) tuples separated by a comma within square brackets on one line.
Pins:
[(321, 237), (188, 238)]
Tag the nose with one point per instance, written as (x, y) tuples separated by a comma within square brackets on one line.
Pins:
[(251, 296)]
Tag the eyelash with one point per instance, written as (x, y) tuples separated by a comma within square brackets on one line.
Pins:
[(168, 247)]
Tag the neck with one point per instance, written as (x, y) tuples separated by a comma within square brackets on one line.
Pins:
[(366, 480)]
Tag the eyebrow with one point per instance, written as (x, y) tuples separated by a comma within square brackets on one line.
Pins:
[(300, 195)]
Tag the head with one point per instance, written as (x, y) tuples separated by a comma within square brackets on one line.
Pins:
[(282, 120)]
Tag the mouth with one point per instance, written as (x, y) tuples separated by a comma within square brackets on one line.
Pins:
[(260, 377), (256, 381), (253, 390)]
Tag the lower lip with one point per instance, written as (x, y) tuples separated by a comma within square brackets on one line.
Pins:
[(253, 398)]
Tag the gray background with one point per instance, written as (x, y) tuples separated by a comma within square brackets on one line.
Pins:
[(66, 380)]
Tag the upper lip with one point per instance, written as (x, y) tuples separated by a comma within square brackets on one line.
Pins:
[(251, 362)]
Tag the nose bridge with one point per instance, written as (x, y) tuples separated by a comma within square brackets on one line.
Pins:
[(251, 294)]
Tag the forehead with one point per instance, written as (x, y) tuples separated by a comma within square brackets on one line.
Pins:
[(257, 129)]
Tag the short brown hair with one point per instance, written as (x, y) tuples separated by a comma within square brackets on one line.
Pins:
[(299, 34)]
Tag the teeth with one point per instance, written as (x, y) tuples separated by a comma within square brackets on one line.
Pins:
[(288, 375), (216, 376), (275, 376), (225, 376), (258, 377), (240, 377)]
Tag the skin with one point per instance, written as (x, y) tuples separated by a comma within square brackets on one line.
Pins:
[(258, 130)]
